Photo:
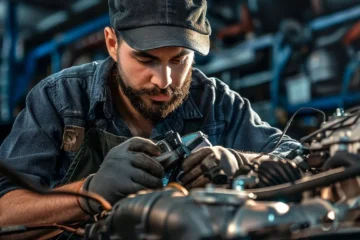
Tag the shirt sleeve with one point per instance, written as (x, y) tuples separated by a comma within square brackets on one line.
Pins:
[(246, 130), (33, 144)]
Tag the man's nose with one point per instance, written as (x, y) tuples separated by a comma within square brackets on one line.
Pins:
[(162, 77)]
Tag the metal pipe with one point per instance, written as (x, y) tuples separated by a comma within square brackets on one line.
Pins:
[(331, 20), (51, 46), (56, 60), (7, 70), (281, 56)]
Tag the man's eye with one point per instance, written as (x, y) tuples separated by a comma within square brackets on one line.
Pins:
[(178, 61)]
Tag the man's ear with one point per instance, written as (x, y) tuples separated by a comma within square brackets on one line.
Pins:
[(111, 42)]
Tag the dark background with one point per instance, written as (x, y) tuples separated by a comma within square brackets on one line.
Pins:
[(280, 54)]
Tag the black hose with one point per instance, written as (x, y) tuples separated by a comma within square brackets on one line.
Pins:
[(315, 181), (341, 159)]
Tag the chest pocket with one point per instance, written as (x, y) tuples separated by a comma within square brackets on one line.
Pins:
[(214, 132), (96, 145)]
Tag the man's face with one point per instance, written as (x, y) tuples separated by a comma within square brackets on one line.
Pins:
[(156, 82)]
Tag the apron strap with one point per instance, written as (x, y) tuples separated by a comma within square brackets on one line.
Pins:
[(97, 143)]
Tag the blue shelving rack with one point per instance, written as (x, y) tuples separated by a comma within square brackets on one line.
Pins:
[(283, 53), (8, 61), (12, 91)]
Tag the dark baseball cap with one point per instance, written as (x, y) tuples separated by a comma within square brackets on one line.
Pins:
[(151, 24)]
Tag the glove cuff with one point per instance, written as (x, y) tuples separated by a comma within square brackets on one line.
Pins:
[(87, 205)]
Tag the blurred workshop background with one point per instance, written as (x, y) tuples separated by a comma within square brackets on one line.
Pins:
[(280, 54)]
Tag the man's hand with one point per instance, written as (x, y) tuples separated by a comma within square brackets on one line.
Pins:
[(204, 159), (127, 168)]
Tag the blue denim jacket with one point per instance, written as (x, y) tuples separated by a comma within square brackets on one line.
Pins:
[(80, 94)]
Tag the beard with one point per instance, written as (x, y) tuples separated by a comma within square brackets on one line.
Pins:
[(153, 110)]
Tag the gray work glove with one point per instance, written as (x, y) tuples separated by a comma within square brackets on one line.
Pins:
[(197, 166), (126, 169)]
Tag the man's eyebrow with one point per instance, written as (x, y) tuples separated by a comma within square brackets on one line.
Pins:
[(184, 52), (144, 54)]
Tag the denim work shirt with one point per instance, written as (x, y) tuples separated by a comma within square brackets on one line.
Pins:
[(81, 94)]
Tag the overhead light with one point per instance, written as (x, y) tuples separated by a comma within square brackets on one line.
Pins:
[(82, 5), (52, 21), (2, 10)]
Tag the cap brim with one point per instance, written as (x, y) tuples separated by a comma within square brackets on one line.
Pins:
[(152, 37)]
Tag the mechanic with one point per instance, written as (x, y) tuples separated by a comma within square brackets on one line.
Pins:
[(125, 103)]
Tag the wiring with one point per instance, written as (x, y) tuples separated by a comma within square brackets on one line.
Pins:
[(33, 227), (334, 126), (287, 127), (22, 182), (344, 125), (292, 118), (355, 111), (318, 180)]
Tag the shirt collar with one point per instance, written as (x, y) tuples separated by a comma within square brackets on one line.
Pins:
[(99, 94)]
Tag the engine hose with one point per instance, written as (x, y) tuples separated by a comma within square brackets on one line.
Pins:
[(318, 180), (341, 159)]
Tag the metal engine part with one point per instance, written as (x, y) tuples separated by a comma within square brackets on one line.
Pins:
[(341, 135), (250, 211)]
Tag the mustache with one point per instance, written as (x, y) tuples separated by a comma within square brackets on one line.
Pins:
[(158, 91)]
